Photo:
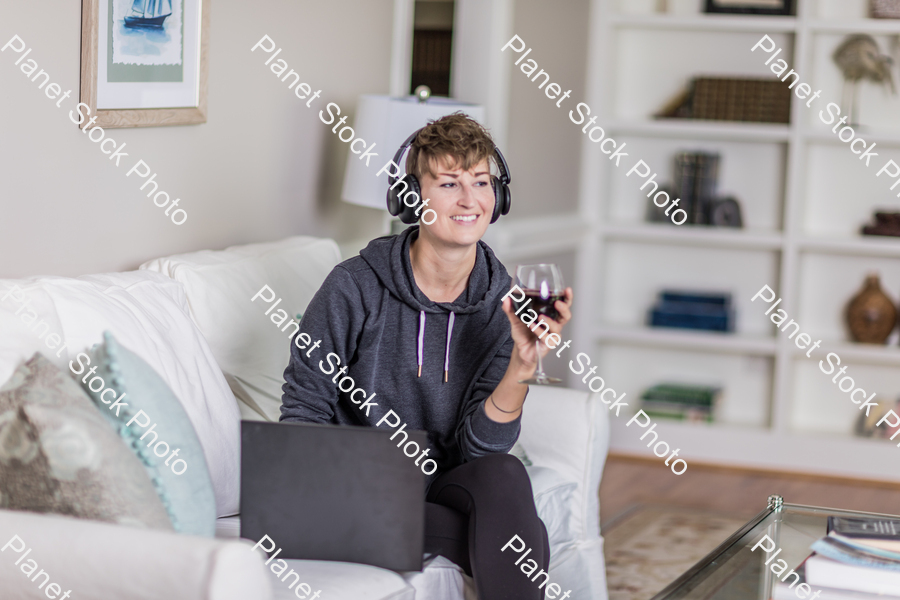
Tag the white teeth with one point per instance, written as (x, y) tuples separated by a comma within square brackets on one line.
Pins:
[(465, 219)]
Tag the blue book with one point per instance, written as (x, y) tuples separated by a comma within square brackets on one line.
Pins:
[(716, 299), (836, 549), (693, 310)]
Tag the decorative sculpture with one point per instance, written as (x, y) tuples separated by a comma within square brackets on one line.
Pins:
[(859, 57)]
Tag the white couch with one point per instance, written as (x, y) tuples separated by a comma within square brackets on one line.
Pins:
[(191, 318)]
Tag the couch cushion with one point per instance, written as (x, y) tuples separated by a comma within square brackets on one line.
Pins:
[(247, 344), (160, 433), (553, 496), (342, 581), (567, 431), (99, 561), (442, 579), (337, 580), (148, 313), (29, 324), (59, 455)]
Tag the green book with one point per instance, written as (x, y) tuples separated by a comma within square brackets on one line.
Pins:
[(682, 394), (686, 415), (673, 407)]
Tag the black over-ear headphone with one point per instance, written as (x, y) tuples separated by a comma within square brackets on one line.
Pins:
[(407, 214)]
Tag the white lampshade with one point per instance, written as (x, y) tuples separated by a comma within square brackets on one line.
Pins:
[(388, 122)]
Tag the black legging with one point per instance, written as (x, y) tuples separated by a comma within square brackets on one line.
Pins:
[(473, 510)]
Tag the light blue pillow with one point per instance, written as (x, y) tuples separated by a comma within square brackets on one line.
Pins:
[(184, 485)]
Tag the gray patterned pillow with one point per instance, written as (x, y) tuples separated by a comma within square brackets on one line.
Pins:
[(59, 455)]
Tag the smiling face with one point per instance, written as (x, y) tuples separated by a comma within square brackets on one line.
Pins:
[(463, 202)]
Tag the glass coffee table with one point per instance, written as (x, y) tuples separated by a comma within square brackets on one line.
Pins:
[(733, 572)]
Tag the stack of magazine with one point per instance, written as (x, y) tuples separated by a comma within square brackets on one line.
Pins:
[(692, 310), (859, 559), (692, 403)]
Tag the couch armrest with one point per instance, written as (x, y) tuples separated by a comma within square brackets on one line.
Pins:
[(568, 430), (99, 561)]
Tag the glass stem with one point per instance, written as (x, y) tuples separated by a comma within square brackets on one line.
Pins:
[(540, 369)]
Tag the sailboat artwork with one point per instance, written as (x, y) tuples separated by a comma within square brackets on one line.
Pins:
[(149, 13), (147, 32)]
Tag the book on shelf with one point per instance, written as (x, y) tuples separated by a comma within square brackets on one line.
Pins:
[(691, 403), (695, 395), (712, 301), (695, 176), (688, 414), (692, 310), (696, 179), (685, 175)]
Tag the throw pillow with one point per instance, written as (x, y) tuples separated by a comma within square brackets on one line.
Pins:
[(154, 424), (255, 347), (149, 314), (57, 455)]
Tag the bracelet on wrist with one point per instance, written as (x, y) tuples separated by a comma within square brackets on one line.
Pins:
[(508, 412)]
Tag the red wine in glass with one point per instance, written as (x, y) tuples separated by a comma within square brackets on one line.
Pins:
[(543, 286), (541, 305)]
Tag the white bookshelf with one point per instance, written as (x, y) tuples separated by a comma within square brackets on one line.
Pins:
[(804, 197)]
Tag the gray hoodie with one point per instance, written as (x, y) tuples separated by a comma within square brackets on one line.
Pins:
[(370, 313)]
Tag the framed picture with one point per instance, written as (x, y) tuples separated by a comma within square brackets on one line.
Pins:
[(144, 63), (752, 7)]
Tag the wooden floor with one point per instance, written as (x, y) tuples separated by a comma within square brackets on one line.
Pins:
[(629, 481)]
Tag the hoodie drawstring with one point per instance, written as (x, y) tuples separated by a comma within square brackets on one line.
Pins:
[(421, 344), (421, 340), (447, 351)]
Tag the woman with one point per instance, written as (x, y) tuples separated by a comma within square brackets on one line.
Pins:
[(417, 318)]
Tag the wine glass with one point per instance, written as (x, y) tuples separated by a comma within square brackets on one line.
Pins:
[(543, 286)]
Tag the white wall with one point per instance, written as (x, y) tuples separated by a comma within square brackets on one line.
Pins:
[(263, 166)]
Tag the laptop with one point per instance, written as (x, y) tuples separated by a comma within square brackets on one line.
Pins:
[(327, 492)]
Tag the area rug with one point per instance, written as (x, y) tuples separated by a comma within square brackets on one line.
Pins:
[(651, 546)]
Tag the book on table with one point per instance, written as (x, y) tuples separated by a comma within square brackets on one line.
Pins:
[(788, 590), (851, 551), (859, 555), (881, 533), (826, 572)]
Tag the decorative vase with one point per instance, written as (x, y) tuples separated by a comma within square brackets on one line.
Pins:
[(871, 314)]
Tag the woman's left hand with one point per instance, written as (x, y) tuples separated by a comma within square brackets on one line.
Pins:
[(524, 338)]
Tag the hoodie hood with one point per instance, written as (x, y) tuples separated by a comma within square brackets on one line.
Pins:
[(388, 257)]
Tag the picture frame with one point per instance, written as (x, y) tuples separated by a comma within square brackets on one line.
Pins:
[(750, 7), (145, 63)]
